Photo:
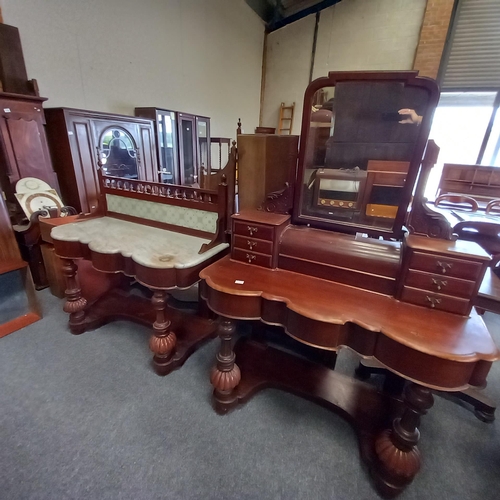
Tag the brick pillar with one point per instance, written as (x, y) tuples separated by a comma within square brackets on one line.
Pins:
[(432, 37)]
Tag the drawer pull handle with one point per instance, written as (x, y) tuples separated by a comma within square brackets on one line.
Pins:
[(439, 283), (444, 266), (433, 301), (251, 244), (250, 257), (252, 230)]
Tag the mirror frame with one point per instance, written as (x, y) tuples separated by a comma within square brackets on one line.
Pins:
[(410, 78), (100, 149)]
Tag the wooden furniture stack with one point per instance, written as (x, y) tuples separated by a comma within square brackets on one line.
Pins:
[(23, 143), (392, 285)]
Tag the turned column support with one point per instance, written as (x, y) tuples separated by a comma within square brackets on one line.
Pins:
[(162, 342), (75, 303), (225, 375), (397, 456)]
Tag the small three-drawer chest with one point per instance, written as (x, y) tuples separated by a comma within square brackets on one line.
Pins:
[(256, 237), (441, 274)]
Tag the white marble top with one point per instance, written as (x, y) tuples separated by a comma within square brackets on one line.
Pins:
[(148, 246)]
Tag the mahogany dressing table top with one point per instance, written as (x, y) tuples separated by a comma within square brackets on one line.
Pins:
[(402, 332)]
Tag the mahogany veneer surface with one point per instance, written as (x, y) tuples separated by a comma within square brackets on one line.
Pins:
[(436, 348)]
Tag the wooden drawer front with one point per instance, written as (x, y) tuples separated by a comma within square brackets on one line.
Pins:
[(251, 257), (389, 179), (254, 230), (436, 301), (253, 244), (438, 283), (444, 265)]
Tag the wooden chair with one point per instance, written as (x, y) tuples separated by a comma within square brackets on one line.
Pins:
[(456, 202), (493, 207), (486, 233)]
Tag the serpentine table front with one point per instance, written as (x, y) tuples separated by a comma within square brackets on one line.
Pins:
[(432, 349), (162, 236)]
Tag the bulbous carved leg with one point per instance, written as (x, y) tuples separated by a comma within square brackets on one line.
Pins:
[(397, 456), (225, 375), (163, 341), (75, 304)]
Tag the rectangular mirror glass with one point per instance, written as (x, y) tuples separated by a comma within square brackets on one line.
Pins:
[(363, 137)]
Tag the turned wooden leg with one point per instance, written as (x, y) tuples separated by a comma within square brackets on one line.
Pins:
[(225, 375), (75, 304), (397, 456), (163, 341)]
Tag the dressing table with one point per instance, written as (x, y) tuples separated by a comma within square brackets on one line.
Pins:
[(354, 260)]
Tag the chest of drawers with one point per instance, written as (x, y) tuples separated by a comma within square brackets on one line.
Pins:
[(256, 236), (441, 274)]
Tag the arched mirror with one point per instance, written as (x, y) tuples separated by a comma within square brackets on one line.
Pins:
[(363, 137), (118, 153)]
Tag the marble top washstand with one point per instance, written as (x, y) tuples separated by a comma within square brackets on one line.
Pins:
[(158, 258)]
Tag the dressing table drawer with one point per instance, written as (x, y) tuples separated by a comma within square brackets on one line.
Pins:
[(444, 265), (253, 244), (253, 230), (436, 301), (251, 257), (438, 283), (256, 236)]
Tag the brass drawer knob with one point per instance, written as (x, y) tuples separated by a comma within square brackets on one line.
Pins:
[(444, 266), (251, 244), (433, 301), (250, 257), (252, 230), (439, 284)]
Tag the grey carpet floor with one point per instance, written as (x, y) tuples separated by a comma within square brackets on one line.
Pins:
[(86, 418)]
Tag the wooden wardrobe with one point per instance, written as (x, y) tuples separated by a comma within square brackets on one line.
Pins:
[(78, 138)]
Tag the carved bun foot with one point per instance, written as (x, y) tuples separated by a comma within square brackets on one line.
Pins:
[(224, 383), (394, 469), (163, 348), (77, 328), (397, 459), (75, 304), (76, 311)]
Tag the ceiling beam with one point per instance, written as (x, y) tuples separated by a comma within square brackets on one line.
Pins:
[(263, 9), (279, 23)]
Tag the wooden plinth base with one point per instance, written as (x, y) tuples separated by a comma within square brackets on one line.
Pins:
[(191, 330), (363, 406)]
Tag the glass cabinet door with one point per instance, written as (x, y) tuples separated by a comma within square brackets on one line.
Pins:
[(203, 143), (187, 150), (167, 145)]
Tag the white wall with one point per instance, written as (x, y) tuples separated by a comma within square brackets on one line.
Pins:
[(199, 56), (352, 35)]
